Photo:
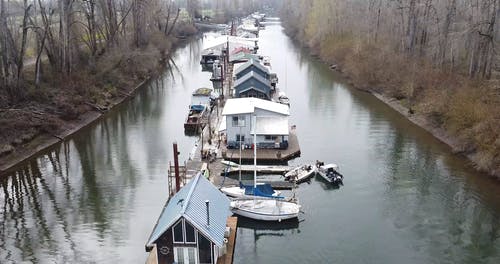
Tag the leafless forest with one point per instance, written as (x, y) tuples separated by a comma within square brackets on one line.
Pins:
[(452, 34), (439, 58), (60, 59)]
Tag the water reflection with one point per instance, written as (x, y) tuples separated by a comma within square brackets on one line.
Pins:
[(85, 199), (406, 199)]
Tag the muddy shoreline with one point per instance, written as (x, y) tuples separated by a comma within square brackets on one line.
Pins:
[(45, 142), (417, 119)]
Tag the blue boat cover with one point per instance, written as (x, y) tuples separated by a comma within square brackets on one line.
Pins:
[(264, 190), (197, 107)]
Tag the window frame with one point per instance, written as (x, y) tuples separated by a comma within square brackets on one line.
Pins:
[(185, 234), (181, 222)]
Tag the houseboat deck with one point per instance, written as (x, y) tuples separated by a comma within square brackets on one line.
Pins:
[(227, 258), (265, 155)]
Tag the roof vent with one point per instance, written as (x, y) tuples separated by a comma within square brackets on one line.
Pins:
[(207, 203)]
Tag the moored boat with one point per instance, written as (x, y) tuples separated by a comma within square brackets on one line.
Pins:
[(265, 209), (301, 173), (262, 208), (242, 191), (329, 172)]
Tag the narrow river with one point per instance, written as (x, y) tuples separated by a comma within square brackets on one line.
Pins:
[(406, 198)]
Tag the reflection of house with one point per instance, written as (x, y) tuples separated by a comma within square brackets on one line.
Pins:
[(271, 118), (252, 85), (191, 226)]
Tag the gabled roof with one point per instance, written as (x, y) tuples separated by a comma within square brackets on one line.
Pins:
[(251, 75), (247, 105), (241, 56), (189, 203), (249, 63)]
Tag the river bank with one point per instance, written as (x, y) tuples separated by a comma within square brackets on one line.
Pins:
[(463, 113), (460, 144), (34, 126)]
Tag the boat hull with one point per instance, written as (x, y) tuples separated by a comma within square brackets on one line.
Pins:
[(265, 210), (331, 179), (301, 174)]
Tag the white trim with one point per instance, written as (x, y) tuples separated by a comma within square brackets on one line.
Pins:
[(185, 254), (195, 234), (212, 260), (173, 232)]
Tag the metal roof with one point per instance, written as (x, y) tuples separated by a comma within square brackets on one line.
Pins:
[(189, 203), (247, 105), (249, 63), (272, 125), (252, 75)]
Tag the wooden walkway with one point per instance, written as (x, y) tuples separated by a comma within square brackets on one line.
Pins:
[(261, 169), (227, 258)]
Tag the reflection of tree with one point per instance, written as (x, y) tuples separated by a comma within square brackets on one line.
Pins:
[(86, 185), (28, 222)]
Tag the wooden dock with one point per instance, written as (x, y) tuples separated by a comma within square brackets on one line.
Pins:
[(232, 222), (261, 169)]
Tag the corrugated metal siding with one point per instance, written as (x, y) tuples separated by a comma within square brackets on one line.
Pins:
[(219, 210)]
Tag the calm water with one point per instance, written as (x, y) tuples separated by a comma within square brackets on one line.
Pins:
[(406, 198)]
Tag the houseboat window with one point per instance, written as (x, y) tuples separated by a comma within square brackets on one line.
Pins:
[(238, 121), (192, 255), (185, 255), (177, 230), (204, 249), (190, 234), (268, 137)]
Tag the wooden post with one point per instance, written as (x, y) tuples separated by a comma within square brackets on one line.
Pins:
[(176, 168)]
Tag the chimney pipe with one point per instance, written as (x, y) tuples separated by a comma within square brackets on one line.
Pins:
[(207, 203), (176, 169)]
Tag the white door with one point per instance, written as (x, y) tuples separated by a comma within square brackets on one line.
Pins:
[(185, 255)]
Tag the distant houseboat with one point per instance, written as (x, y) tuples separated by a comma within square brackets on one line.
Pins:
[(209, 56), (202, 102)]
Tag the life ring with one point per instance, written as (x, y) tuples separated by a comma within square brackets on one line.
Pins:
[(164, 250)]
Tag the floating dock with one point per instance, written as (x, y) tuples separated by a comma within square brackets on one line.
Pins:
[(265, 155), (232, 223), (261, 169)]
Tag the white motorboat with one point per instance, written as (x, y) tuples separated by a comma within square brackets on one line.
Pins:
[(301, 173), (330, 172), (230, 163), (283, 99), (265, 209), (262, 208)]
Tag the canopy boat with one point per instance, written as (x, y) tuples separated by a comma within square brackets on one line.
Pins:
[(330, 172), (196, 118), (301, 173), (262, 208)]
